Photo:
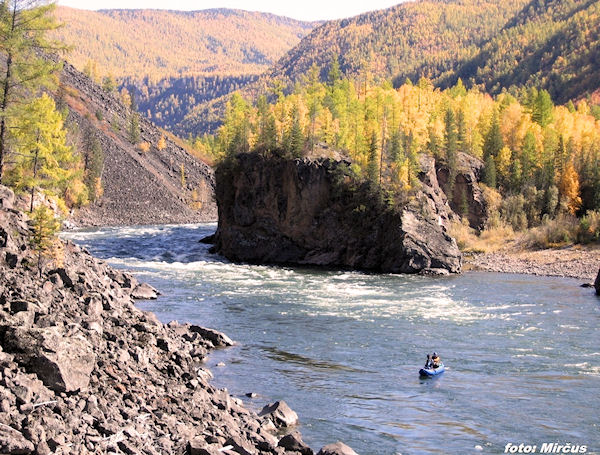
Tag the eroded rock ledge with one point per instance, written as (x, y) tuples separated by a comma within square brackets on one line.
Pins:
[(83, 371), (276, 210)]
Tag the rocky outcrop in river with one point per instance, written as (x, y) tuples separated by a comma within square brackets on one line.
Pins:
[(83, 371), (276, 210), (597, 283)]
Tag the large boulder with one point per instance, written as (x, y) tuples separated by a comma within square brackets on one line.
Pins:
[(280, 413), (597, 283), (293, 442), (218, 339), (339, 448), (63, 362), (276, 210)]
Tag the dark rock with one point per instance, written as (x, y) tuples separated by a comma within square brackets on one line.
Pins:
[(293, 442), (3, 236), (597, 283), (280, 413), (587, 285), (273, 210), (63, 363), (16, 306), (209, 239), (339, 448), (68, 278), (144, 292), (11, 259), (217, 338), (466, 191), (13, 442), (251, 395)]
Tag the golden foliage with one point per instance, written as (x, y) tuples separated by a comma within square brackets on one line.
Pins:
[(569, 188)]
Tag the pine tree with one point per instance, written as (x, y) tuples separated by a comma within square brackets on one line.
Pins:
[(23, 28), (542, 108), (295, 138), (373, 163), (133, 130), (335, 74), (451, 145), (489, 172), (44, 227), (93, 163), (493, 141), (42, 158)]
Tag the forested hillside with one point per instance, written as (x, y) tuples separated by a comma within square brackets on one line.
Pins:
[(552, 44), (432, 34), (168, 101), (158, 44)]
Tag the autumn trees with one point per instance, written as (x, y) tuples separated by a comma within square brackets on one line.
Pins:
[(542, 158), (35, 154), (24, 25)]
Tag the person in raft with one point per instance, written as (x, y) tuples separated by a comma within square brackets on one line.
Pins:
[(433, 361)]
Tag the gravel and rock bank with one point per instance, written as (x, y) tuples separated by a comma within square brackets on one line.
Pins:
[(571, 262), (83, 371)]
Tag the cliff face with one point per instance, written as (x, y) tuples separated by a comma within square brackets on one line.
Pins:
[(273, 210), (83, 371), (139, 187), (466, 197)]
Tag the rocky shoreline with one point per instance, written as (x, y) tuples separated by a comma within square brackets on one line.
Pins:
[(571, 262), (83, 370)]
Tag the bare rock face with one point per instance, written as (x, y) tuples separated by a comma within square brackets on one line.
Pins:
[(597, 283), (466, 197), (63, 363), (274, 210)]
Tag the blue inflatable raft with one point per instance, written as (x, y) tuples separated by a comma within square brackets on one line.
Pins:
[(427, 372)]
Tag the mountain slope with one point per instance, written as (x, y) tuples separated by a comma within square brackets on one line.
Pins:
[(395, 41), (551, 44), (142, 184), (411, 39), (157, 43)]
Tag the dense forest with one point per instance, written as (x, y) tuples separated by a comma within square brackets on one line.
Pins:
[(541, 160), (399, 40), (551, 44), (168, 101)]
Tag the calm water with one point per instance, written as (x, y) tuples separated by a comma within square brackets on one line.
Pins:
[(343, 348)]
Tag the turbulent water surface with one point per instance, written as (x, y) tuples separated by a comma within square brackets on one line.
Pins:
[(343, 349)]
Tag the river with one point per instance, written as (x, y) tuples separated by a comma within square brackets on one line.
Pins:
[(343, 349)]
